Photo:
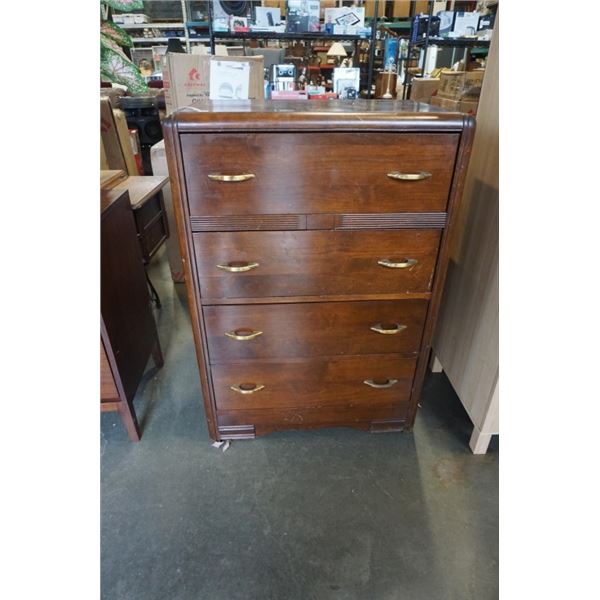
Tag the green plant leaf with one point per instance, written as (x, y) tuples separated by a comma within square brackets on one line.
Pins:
[(125, 5), (118, 69), (113, 31), (108, 42)]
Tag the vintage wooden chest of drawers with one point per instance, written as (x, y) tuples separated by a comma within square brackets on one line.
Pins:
[(314, 239)]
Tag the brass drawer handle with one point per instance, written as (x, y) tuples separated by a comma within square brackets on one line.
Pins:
[(242, 334), (238, 266), (247, 388), (379, 384), (403, 264), (229, 178), (408, 176), (388, 329)]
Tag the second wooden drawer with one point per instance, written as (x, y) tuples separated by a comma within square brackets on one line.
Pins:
[(314, 329), (261, 264)]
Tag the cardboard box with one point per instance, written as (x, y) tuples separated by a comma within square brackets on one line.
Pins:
[(458, 85), (463, 106), (422, 88), (186, 78)]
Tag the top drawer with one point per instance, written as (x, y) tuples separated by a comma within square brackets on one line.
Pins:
[(317, 172)]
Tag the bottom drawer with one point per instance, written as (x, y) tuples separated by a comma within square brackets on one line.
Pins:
[(347, 382), (249, 423)]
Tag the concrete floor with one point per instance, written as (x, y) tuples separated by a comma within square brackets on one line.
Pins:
[(331, 514)]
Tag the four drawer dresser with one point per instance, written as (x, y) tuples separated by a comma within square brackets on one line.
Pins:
[(314, 237)]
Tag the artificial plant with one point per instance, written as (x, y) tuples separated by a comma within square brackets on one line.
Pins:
[(114, 63)]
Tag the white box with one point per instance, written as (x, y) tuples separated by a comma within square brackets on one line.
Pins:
[(229, 80), (344, 79), (262, 17), (345, 20), (465, 24)]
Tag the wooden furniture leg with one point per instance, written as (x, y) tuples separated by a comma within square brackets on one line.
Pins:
[(129, 419), (157, 355)]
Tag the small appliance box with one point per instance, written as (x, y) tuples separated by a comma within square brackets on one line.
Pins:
[(303, 15), (186, 78), (465, 24), (267, 17), (346, 20), (446, 22), (346, 82)]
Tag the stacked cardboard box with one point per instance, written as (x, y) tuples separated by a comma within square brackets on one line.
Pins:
[(459, 90), (186, 78)]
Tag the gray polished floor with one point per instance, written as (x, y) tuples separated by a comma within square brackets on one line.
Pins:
[(331, 514)]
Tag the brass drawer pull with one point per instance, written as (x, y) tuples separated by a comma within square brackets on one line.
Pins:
[(229, 178), (388, 329), (242, 334), (380, 384), (247, 388), (238, 266), (402, 264), (408, 176)]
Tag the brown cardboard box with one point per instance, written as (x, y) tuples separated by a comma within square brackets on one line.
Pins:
[(421, 89), (463, 106), (186, 78), (456, 85), (115, 139)]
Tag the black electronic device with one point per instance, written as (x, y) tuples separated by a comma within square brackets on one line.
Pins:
[(486, 22), (419, 27), (141, 113)]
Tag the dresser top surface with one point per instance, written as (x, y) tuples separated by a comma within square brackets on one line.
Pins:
[(316, 115)]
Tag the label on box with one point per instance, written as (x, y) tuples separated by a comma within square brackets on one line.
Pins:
[(229, 80)]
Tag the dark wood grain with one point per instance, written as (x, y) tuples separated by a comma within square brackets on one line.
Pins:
[(313, 173), (128, 330), (178, 195), (314, 383), (260, 422), (108, 389), (151, 224), (330, 193), (317, 329), (315, 262)]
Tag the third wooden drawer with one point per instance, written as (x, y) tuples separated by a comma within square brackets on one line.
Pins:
[(314, 329)]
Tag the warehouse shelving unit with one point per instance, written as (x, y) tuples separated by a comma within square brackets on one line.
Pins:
[(429, 40)]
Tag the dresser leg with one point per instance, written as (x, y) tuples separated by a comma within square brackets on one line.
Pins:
[(479, 441), (130, 421), (434, 364), (157, 355)]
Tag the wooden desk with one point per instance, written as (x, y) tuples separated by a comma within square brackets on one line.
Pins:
[(128, 331)]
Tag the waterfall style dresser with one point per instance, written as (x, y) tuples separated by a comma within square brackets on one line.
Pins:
[(314, 238)]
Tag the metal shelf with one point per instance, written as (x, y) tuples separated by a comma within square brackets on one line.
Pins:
[(453, 42), (152, 26), (157, 39), (273, 35)]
